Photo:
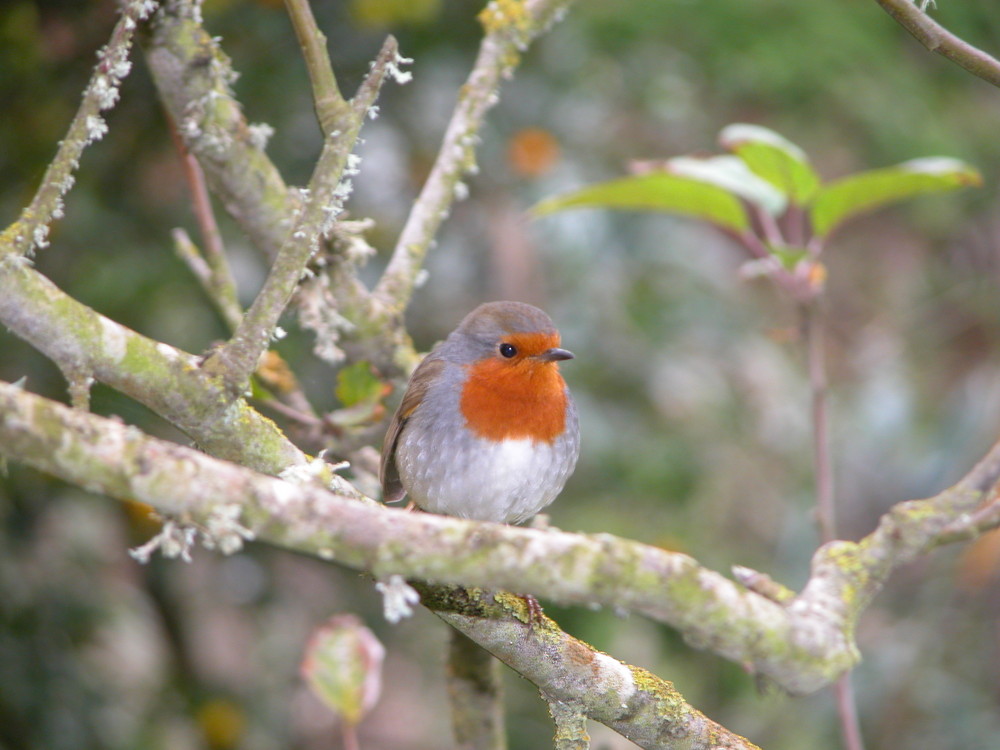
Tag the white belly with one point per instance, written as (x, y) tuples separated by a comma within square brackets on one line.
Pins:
[(506, 481)]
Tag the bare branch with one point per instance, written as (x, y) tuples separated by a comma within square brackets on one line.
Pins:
[(571, 726), (217, 293), (31, 230), (216, 277), (938, 39), (813, 333), (236, 360), (510, 27), (803, 644), (475, 691), (639, 705), (331, 109), (105, 455), (193, 76), (165, 379), (971, 525)]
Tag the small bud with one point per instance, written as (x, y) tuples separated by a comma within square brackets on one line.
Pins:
[(343, 667)]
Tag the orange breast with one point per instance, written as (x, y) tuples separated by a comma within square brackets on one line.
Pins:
[(516, 399)]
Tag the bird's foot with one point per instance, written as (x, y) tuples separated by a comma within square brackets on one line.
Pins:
[(535, 613)]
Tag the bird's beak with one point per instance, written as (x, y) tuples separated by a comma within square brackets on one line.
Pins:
[(554, 355)]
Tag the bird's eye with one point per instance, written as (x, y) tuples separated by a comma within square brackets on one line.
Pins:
[(508, 350)]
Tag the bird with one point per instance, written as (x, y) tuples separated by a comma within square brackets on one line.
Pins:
[(487, 429)]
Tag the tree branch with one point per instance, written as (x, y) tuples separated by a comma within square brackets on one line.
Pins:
[(211, 270), (236, 360), (938, 39), (635, 703), (571, 726), (510, 27), (803, 643), (199, 491), (332, 111), (163, 378), (193, 77), (475, 691), (31, 230)]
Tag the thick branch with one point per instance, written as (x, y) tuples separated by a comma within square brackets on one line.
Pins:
[(639, 705), (938, 39), (104, 455), (804, 643), (163, 378)]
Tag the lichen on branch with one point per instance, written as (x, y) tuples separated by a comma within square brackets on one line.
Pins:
[(803, 643)]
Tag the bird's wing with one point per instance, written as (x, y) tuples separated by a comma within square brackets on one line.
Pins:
[(426, 373)]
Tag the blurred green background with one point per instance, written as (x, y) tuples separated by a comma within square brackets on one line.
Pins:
[(690, 382)]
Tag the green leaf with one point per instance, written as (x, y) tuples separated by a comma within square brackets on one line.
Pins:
[(357, 383), (773, 158), (848, 197), (732, 175), (656, 191)]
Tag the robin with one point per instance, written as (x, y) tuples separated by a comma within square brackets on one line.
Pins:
[(487, 429)]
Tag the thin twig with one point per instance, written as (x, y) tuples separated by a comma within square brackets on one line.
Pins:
[(571, 725), (31, 229), (193, 76), (236, 360), (826, 517), (306, 418), (847, 712), (938, 39), (219, 284), (475, 692), (188, 252), (973, 524), (772, 232), (812, 331), (349, 734), (332, 110), (499, 52)]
